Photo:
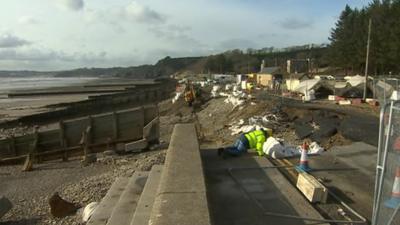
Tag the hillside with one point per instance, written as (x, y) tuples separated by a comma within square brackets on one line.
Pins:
[(233, 61)]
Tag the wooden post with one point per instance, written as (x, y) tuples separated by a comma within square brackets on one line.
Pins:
[(63, 141), (89, 129), (86, 142), (367, 60), (28, 165)]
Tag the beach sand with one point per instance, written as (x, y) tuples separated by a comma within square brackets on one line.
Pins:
[(16, 107)]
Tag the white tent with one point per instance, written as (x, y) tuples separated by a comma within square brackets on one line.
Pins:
[(306, 86), (356, 80)]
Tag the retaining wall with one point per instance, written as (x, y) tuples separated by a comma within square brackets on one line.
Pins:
[(182, 196), (126, 125)]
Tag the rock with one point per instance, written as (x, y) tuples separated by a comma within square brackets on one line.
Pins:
[(5, 206), (61, 208)]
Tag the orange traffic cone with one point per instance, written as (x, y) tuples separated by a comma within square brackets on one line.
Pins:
[(394, 201), (303, 166)]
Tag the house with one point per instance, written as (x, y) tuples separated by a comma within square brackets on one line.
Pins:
[(269, 76), (293, 80)]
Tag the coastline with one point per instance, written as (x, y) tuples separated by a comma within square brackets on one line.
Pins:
[(12, 108)]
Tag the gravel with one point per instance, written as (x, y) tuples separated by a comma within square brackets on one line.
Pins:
[(30, 191)]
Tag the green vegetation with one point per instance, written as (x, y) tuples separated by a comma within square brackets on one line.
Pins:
[(349, 38), (346, 52)]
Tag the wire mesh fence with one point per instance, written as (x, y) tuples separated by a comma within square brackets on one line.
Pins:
[(387, 191)]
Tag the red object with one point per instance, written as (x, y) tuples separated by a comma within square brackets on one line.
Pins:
[(396, 144), (338, 98), (356, 101)]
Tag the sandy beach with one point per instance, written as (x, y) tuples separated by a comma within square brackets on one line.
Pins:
[(12, 108)]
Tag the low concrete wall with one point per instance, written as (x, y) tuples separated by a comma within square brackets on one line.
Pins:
[(119, 126), (182, 195)]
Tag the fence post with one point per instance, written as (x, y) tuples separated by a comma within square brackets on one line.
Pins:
[(86, 141), (28, 165)]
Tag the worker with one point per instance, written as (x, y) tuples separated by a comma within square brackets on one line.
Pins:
[(250, 140)]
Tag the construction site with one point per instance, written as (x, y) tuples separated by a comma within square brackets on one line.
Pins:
[(136, 112), (149, 154)]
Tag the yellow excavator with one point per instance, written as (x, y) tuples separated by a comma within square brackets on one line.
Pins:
[(189, 94)]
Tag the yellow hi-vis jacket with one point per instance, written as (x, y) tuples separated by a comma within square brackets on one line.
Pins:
[(256, 140)]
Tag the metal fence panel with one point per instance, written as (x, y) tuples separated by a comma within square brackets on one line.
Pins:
[(387, 191)]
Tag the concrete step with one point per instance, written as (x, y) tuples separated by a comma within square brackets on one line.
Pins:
[(104, 209), (125, 208), (146, 201)]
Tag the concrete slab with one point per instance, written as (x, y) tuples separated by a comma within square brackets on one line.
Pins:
[(348, 171), (136, 146), (265, 190), (183, 170), (182, 195), (103, 211), (146, 200), (123, 211)]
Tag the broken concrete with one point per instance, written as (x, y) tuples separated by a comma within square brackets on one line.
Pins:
[(61, 208), (136, 146)]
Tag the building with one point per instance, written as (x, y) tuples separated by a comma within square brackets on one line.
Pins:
[(298, 66), (270, 77)]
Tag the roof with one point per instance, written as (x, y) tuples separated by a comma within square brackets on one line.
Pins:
[(298, 76), (270, 70)]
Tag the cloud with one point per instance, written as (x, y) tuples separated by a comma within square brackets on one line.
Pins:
[(142, 14), (49, 59), (11, 41), (38, 55), (27, 20), (74, 5), (175, 34), (108, 18), (295, 23)]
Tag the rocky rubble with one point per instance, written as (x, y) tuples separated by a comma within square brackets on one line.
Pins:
[(36, 210)]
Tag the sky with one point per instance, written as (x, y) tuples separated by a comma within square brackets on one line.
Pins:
[(66, 34)]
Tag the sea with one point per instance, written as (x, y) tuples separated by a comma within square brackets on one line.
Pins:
[(8, 84)]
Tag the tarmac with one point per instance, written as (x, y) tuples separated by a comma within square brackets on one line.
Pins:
[(349, 172), (246, 193)]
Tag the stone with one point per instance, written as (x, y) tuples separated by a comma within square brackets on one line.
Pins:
[(61, 208)]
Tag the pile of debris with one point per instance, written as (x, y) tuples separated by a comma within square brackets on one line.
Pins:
[(233, 95)]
